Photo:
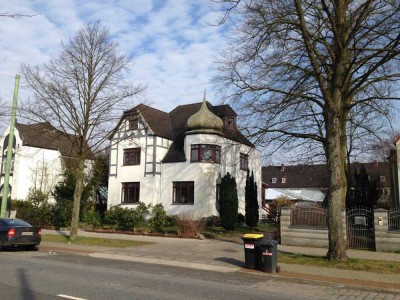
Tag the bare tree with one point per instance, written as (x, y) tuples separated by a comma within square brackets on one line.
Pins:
[(81, 92), (299, 68)]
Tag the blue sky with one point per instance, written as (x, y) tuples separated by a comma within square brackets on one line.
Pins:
[(171, 42)]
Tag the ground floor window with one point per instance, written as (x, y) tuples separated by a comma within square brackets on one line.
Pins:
[(183, 192), (130, 192)]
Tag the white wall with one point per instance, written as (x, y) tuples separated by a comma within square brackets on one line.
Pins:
[(159, 189), (33, 168), (148, 176)]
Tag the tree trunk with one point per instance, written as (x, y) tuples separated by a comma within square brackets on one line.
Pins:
[(336, 156), (80, 171)]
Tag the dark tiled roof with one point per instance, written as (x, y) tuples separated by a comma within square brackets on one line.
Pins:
[(316, 176), (224, 110), (173, 125), (44, 135), (158, 121), (299, 176)]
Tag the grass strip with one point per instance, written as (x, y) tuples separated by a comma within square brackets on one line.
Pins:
[(90, 241), (378, 266)]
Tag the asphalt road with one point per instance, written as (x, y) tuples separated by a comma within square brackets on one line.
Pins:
[(43, 275)]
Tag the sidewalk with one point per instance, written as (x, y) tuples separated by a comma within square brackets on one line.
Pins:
[(228, 256)]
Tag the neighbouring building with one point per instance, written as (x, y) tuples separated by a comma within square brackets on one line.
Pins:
[(309, 183), (394, 159), (179, 158), (40, 156)]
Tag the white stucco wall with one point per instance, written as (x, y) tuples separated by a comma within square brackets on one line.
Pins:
[(159, 188), (33, 168), (153, 150)]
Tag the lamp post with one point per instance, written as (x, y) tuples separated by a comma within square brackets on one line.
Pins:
[(7, 170)]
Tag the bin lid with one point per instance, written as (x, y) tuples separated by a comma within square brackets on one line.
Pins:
[(253, 236), (269, 243)]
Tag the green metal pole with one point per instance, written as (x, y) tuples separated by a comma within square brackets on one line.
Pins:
[(9, 151)]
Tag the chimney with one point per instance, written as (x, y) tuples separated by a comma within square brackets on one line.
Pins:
[(282, 167)]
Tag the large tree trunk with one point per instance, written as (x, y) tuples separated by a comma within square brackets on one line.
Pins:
[(80, 171), (336, 156)]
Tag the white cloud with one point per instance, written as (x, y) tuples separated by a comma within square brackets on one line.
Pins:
[(170, 42)]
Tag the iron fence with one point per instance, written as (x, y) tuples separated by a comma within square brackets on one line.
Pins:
[(394, 219), (314, 217), (360, 228)]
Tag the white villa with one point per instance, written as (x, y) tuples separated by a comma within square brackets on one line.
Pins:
[(178, 158), (39, 158)]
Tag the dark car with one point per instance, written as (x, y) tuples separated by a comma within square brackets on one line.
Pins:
[(18, 233)]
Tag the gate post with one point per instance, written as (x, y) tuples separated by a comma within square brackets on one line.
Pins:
[(380, 227), (285, 223)]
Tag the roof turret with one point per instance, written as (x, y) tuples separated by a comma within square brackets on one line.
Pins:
[(204, 121)]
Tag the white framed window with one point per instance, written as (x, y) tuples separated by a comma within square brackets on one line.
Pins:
[(273, 180)]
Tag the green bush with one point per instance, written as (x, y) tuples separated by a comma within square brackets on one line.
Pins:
[(251, 201), (111, 216), (279, 202), (158, 218), (241, 219), (92, 218), (35, 209), (126, 219), (211, 221), (62, 213), (171, 220), (64, 196), (229, 202), (141, 213), (24, 210)]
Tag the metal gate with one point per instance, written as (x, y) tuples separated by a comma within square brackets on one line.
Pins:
[(360, 228)]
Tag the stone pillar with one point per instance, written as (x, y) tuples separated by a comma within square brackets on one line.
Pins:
[(284, 222), (381, 228)]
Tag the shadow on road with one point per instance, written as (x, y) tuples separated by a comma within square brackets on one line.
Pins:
[(231, 261), (26, 291)]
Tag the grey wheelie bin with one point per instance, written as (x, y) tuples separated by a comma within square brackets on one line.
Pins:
[(252, 251), (269, 250)]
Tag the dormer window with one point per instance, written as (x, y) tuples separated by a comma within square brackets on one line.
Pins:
[(133, 124), (230, 122)]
